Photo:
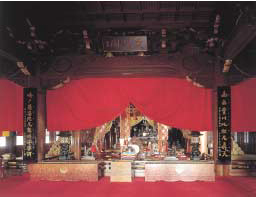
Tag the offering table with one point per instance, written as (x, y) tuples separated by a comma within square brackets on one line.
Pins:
[(179, 171), (64, 171)]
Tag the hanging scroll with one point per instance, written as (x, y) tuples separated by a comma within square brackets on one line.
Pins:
[(30, 100), (224, 124)]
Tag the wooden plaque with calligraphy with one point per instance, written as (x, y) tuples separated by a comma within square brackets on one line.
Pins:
[(29, 114), (124, 43), (224, 124)]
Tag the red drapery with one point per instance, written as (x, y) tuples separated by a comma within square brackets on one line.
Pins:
[(90, 102), (11, 107), (243, 106)]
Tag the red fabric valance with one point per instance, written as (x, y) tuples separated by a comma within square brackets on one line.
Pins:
[(243, 106), (91, 102), (11, 107)]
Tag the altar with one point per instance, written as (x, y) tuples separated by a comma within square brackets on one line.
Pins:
[(130, 146), (64, 171), (179, 171)]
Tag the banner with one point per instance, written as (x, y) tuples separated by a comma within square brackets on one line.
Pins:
[(30, 136), (224, 124)]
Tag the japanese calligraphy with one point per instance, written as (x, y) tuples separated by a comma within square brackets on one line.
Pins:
[(224, 124), (30, 124), (124, 43)]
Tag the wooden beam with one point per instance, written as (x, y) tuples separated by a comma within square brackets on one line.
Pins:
[(103, 11), (202, 24), (8, 56), (144, 11), (241, 37), (140, 11), (133, 66), (41, 123), (122, 9)]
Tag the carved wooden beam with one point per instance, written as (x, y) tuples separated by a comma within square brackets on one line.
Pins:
[(8, 56), (198, 24), (199, 68), (243, 35), (145, 11)]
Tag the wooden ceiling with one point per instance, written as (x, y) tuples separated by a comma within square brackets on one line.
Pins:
[(113, 14), (60, 25), (144, 14)]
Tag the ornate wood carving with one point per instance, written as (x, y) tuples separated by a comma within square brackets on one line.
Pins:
[(125, 125), (243, 33), (64, 171), (179, 172), (162, 137)]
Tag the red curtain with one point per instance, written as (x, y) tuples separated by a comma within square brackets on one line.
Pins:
[(243, 106), (11, 107), (90, 102)]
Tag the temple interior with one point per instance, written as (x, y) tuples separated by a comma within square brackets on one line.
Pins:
[(138, 92)]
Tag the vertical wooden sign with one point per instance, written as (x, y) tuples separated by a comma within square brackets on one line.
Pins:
[(224, 124), (29, 118)]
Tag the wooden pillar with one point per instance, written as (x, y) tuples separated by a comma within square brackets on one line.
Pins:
[(77, 145), (215, 125), (218, 167), (224, 130), (41, 123), (218, 80)]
